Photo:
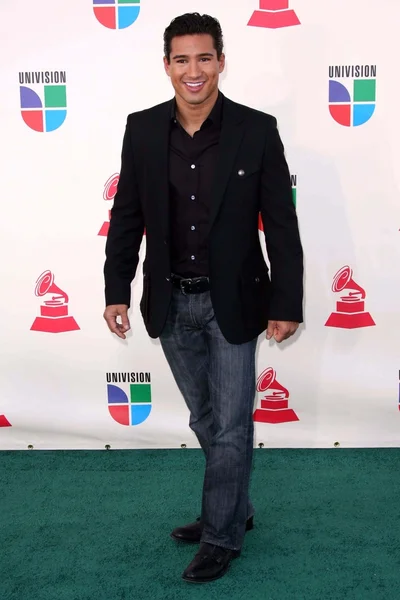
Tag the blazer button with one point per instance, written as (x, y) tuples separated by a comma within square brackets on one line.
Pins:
[(257, 280), (241, 172)]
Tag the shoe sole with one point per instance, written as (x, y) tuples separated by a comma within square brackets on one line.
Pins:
[(188, 580), (183, 541)]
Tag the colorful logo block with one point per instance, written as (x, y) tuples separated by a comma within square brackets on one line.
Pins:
[(352, 103), (44, 100), (116, 14)]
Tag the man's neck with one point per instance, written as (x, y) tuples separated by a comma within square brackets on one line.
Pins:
[(192, 116)]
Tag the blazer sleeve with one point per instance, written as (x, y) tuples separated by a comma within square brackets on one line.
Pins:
[(281, 231), (125, 232)]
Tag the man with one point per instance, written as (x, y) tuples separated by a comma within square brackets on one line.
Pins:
[(196, 172)]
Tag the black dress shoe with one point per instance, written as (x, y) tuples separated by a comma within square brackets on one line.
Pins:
[(191, 534), (210, 563)]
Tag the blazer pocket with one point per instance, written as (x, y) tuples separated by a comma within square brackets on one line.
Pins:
[(256, 280), (255, 291), (246, 171), (145, 301)]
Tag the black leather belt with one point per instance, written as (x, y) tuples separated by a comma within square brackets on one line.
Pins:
[(191, 285)]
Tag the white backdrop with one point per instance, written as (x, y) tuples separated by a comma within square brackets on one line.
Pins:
[(342, 382)]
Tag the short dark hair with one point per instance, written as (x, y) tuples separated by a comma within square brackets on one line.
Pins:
[(192, 24)]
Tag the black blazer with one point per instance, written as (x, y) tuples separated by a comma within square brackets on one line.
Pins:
[(243, 295)]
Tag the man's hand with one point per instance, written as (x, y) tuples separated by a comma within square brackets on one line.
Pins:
[(281, 330), (111, 313)]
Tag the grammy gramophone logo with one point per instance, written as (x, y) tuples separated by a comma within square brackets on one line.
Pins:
[(350, 308), (110, 189), (4, 422), (54, 316), (275, 403), (273, 14)]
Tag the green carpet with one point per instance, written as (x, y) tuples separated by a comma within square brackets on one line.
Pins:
[(94, 525)]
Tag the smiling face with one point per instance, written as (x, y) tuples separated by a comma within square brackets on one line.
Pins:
[(194, 68)]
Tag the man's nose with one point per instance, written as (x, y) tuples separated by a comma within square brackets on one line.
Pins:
[(194, 69)]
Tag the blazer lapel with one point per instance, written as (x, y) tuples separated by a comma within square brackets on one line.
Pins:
[(232, 132)]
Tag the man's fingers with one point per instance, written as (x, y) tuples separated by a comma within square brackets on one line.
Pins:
[(125, 322), (280, 336), (270, 329), (113, 326), (118, 328), (284, 333)]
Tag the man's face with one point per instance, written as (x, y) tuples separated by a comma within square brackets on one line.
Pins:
[(194, 67)]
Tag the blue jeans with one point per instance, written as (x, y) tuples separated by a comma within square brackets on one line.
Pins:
[(217, 381)]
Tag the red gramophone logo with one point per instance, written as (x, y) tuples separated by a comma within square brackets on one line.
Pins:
[(4, 422), (275, 404), (273, 14), (110, 189), (350, 309), (54, 308)]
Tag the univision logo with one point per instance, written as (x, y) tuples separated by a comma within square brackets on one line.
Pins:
[(116, 14), (133, 407), (293, 180), (352, 103), (44, 102)]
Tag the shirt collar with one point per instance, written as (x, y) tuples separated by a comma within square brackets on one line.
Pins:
[(215, 115)]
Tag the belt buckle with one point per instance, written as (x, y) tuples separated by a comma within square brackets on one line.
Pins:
[(182, 282)]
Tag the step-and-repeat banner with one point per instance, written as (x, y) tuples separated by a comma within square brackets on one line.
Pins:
[(71, 72)]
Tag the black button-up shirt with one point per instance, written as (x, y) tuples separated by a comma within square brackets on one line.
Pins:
[(192, 163)]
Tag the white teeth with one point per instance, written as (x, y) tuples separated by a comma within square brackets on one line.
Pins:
[(195, 84)]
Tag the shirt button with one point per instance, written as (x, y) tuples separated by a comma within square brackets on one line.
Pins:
[(193, 197), (192, 257), (192, 166), (193, 228)]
